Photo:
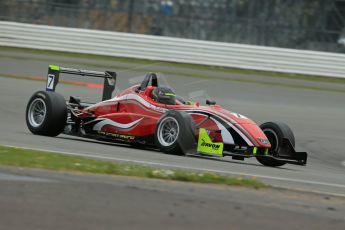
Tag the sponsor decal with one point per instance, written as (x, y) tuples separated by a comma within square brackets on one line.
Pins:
[(214, 146), (206, 146), (117, 135), (156, 108)]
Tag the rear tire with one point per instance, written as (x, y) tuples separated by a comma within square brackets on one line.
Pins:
[(275, 132), (46, 113), (175, 133)]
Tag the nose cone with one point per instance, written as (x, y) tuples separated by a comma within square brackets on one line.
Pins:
[(257, 134), (248, 127)]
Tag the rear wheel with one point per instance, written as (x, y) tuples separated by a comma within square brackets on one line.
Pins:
[(46, 113), (175, 133), (275, 132)]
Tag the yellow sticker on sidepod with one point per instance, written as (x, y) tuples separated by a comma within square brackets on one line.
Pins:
[(206, 146)]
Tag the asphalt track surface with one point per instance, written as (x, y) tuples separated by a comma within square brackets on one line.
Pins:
[(316, 117), (35, 199)]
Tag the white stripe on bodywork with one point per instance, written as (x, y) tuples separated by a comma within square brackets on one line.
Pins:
[(163, 110), (227, 138), (106, 121), (141, 100), (249, 142)]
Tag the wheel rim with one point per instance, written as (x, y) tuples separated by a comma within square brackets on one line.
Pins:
[(37, 112), (168, 131), (273, 139)]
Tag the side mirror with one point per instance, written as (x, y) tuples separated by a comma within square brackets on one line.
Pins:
[(209, 102)]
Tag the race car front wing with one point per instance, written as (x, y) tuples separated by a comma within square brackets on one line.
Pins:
[(206, 146)]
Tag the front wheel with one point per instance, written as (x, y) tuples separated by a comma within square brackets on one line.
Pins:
[(46, 113), (175, 133), (275, 132)]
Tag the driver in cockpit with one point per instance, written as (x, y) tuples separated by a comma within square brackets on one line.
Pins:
[(164, 95)]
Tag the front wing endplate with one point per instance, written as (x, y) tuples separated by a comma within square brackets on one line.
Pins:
[(206, 146)]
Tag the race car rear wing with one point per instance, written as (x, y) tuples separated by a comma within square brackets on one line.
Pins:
[(109, 78)]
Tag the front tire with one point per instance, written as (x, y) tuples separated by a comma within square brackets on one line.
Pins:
[(275, 132), (175, 133), (46, 113)]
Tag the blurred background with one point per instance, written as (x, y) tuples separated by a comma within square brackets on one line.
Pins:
[(298, 24)]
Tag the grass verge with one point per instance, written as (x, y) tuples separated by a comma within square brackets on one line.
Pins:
[(177, 65), (19, 157)]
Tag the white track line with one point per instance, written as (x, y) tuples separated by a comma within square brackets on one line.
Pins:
[(184, 167)]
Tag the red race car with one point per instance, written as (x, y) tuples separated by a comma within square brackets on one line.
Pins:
[(149, 114)]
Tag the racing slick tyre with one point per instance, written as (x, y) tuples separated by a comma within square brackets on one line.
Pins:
[(46, 113), (275, 132), (175, 133)]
